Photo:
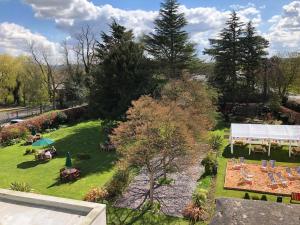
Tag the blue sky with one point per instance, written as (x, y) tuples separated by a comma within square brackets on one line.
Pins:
[(51, 21)]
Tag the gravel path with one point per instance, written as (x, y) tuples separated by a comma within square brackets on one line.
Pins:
[(173, 198)]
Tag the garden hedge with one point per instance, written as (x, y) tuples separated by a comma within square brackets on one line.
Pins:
[(41, 123)]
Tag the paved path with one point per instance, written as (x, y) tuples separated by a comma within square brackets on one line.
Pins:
[(173, 198)]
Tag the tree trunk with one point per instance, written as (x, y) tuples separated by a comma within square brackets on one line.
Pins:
[(16, 93), (151, 188), (164, 169)]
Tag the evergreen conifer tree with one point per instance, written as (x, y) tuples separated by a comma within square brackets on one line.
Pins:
[(122, 73), (226, 51), (169, 44), (253, 55)]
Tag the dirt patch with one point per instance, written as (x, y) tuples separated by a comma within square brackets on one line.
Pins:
[(260, 181)]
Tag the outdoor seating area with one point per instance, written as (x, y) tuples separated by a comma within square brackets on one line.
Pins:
[(33, 138), (46, 154), (262, 138), (69, 174), (265, 178)]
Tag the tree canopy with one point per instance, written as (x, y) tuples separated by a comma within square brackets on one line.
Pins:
[(169, 43)]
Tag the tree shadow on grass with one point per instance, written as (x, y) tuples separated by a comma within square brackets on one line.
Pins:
[(85, 140), (119, 216), (30, 164), (279, 154)]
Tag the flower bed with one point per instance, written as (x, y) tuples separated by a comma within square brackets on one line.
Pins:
[(40, 124)]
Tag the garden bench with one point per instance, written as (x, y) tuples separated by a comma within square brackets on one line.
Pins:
[(295, 197)]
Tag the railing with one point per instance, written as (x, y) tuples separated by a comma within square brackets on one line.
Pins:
[(9, 115)]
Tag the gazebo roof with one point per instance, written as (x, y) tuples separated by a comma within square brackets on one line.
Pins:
[(265, 131)]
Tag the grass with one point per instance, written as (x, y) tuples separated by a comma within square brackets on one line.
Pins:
[(280, 155), (118, 216), (43, 177), (82, 139)]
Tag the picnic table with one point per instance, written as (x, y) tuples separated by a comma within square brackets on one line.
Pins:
[(258, 148), (43, 155), (69, 174), (33, 138), (296, 151)]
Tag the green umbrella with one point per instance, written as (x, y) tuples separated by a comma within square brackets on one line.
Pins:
[(68, 160), (43, 142)]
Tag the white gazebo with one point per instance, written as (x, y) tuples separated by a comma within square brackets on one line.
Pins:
[(288, 135)]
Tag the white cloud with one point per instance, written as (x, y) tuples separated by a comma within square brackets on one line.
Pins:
[(284, 33), (15, 39), (70, 15)]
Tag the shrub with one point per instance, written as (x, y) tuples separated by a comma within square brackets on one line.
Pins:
[(96, 195), (216, 141), (76, 113), (61, 118), (274, 103), (118, 183), (83, 156), (28, 151), (11, 142), (108, 126), (246, 196), (264, 198), (210, 164), (194, 213), (279, 199), (11, 134), (200, 197), (255, 197), (20, 186)]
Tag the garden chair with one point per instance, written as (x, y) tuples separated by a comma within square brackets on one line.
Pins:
[(236, 165), (47, 156), (274, 184), (297, 169), (242, 161), (264, 165), (245, 179), (272, 165), (53, 151), (289, 173), (283, 181), (29, 140), (246, 173)]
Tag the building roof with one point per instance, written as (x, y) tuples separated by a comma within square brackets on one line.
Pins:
[(19, 208), (231, 211)]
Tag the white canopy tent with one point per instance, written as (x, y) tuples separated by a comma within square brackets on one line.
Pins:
[(251, 133)]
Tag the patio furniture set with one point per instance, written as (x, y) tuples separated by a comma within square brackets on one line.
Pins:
[(46, 154), (281, 180), (69, 174), (275, 177), (262, 137), (33, 138)]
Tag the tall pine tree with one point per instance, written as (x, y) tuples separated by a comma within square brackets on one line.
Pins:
[(253, 55), (169, 44), (122, 74), (226, 51)]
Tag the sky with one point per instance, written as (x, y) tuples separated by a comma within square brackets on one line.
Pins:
[(48, 22)]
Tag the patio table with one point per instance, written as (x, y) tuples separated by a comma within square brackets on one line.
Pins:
[(68, 174), (258, 148), (296, 151)]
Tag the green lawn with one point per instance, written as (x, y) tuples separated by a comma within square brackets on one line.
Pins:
[(43, 177), (280, 155)]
